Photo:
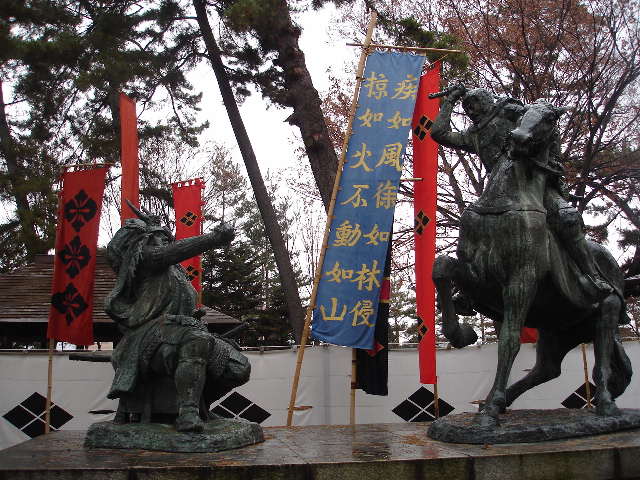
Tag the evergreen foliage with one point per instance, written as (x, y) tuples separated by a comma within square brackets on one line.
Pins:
[(242, 279), (62, 66)]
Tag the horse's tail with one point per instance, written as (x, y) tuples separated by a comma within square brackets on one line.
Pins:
[(621, 370)]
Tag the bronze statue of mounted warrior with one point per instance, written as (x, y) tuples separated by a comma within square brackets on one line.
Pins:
[(522, 258)]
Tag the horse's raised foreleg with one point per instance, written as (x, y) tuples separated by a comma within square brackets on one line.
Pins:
[(445, 270), (517, 298), (551, 349), (603, 345)]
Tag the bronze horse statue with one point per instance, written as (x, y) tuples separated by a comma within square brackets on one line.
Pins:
[(512, 267)]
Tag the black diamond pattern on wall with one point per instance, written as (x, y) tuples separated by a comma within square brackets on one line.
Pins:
[(421, 407), (420, 222), (237, 406), (578, 399), (29, 416), (189, 218)]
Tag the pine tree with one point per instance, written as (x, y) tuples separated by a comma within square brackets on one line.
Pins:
[(242, 279), (61, 68)]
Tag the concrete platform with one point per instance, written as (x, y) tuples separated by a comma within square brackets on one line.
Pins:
[(363, 452)]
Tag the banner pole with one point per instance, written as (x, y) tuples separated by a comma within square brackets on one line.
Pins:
[(52, 342), (200, 269), (327, 230), (47, 419), (407, 49), (436, 399), (354, 386), (587, 385)]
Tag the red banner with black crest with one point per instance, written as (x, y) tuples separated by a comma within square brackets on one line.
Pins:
[(425, 167), (80, 204), (187, 203)]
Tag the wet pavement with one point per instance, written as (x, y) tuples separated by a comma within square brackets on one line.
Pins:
[(377, 451)]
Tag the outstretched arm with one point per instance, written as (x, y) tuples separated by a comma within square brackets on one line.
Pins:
[(161, 257), (441, 128)]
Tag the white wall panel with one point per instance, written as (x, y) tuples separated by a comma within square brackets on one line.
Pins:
[(464, 376)]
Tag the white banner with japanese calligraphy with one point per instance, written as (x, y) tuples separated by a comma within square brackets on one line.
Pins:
[(349, 289)]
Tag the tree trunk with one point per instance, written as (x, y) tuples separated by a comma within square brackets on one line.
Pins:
[(302, 96), (32, 241), (272, 228)]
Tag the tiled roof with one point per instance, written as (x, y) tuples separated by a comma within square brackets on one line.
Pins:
[(25, 294)]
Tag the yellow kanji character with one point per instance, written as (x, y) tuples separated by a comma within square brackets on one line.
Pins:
[(347, 235), (398, 121), (361, 313), (362, 154), (356, 199), (376, 85), (386, 195), (334, 311), (367, 277), (407, 88), (368, 117), (337, 274), (375, 236), (391, 155)]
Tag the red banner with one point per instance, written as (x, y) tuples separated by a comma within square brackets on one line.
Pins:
[(130, 183), (425, 167), (71, 313), (187, 203)]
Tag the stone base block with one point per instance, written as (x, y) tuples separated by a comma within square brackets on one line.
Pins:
[(218, 435), (363, 452), (524, 426)]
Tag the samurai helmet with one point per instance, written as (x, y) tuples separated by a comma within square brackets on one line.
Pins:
[(134, 235)]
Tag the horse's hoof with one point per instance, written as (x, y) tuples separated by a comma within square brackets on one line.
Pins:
[(463, 305), (462, 337), (607, 409), (483, 419)]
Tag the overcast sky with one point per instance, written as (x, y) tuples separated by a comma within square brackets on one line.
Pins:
[(270, 135)]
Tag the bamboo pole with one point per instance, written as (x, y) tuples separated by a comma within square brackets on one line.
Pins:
[(327, 230), (354, 385), (587, 385), (436, 404), (405, 49), (47, 418)]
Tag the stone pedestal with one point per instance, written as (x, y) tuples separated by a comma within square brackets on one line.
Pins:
[(371, 452), (221, 434), (523, 426)]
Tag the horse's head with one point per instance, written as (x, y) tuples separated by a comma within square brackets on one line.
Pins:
[(535, 129)]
